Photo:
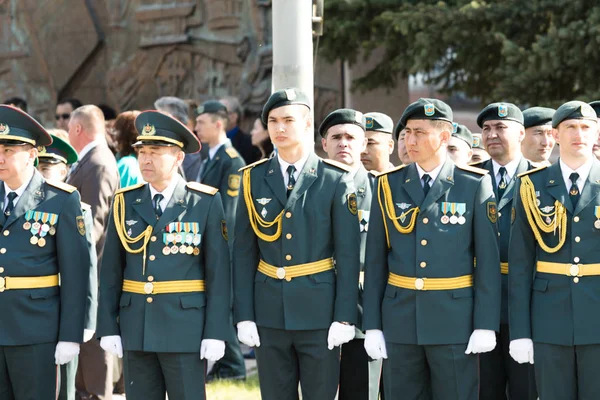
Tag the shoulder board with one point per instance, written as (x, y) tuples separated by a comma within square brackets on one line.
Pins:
[(476, 170), (387, 171), (128, 188), (85, 206), (231, 152), (476, 164), (532, 170), (374, 173), (62, 186), (202, 188), (338, 164), (254, 164)]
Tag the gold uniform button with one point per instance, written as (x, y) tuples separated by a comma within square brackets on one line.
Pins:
[(2, 250), (1, 270), (288, 236), (423, 264), (576, 259), (577, 239), (423, 242), (288, 257), (419, 284), (288, 214), (152, 258), (576, 219), (150, 278), (149, 300), (575, 280), (6, 233), (425, 220), (499, 214), (153, 238)]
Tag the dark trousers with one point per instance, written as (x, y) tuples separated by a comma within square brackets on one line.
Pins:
[(28, 372), (502, 377), (67, 380), (567, 372), (94, 379), (148, 376), (445, 372), (286, 358), (359, 375)]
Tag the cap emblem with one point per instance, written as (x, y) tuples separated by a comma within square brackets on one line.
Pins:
[(502, 110), (429, 109), (4, 129), (149, 130)]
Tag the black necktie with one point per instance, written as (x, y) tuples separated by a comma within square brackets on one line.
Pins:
[(503, 183), (291, 180), (157, 199), (426, 178), (11, 205), (574, 191)]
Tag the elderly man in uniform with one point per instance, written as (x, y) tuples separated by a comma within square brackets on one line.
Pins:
[(555, 264), (380, 144), (539, 140), (503, 131), (54, 161), (165, 277), (427, 310), (297, 214), (460, 145), (43, 235)]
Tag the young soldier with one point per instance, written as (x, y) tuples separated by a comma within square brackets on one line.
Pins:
[(539, 141), (460, 145), (380, 143)]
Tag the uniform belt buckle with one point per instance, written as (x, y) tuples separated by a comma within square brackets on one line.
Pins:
[(574, 270), (280, 273), (148, 287), (419, 284), (2, 284)]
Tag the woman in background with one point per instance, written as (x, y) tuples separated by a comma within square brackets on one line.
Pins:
[(126, 135), (260, 139)]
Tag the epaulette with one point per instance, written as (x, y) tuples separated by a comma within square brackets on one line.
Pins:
[(374, 173), (254, 164), (531, 171), (338, 164), (387, 171), (199, 187), (62, 186), (231, 152), (476, 170), (85, 206), (475, 164), (128, 188)]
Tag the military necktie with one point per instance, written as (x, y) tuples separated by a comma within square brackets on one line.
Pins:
[(574, 191), (426, 178), (291, 180), (157, 199), (11, 205), (503, 183)]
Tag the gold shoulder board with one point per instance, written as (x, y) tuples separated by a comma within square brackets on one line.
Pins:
[(231, 152), (532, 170), (338, 164), (128, 188), (62, 186), (387, 171), (254, 164), (202, 188), (476, 170)]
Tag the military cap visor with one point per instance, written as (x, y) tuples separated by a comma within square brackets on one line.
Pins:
[(500, 111), (431, 109), (17, 128), (284, 97), (341, 117), (158, 129), (573, 110), (58, 151), (378, 122), (536, 116), (212, 107)]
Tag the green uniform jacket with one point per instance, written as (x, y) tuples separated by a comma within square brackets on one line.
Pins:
[(317, 224), (363, 182), (434, 250), (551, 308), (174, 322), (222, 172), (45, 315), (91, 305), (504, 221)]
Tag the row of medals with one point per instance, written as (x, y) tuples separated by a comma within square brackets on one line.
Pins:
[(453, 220), (42, 229), (191, 239)]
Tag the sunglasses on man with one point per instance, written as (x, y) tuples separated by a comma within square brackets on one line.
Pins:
[(63, 116)]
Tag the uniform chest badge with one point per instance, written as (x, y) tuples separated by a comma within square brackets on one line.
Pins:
[(363, 219), (403, 206), (263, 202), (492, 212), (352, 204), (597, 214)]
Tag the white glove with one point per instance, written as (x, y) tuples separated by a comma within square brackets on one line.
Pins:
[(375, 344), (248, 333), (112, 344), (212, 349), (88, 334), (521, 350), (339, 334), (481, 341), (65, 352)]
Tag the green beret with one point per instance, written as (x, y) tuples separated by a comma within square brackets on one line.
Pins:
[(342, 116), (284, 97), (573, 110), (211, 107), (58, 151), (500, 111), (432, 109), (596, 106), (397, 129), (17, 127), (378, 122), (536, 116), (477, 141), (158, 129), (462, 132)]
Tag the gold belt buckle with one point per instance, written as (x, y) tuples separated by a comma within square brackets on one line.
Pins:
[(574, 270), (280, 273), (2, 284), (419, 284), (148, 287)]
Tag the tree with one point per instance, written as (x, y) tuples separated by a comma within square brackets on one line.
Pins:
[(536, 52)]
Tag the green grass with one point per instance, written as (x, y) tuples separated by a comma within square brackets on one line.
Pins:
[(232, 390)]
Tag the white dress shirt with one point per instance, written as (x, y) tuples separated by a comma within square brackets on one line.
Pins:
[(433, 174), (298, 164), (19, 192), (583, 171), (511, 170), (167, 193)]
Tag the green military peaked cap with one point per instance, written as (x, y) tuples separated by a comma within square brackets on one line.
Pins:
[(17, 127), (536, 116), (573, 110), (500, 111), (284, 97), (423, 108), (340, 117), (158, 129), (596, 106), (212, 107), (378, 122), (58, 151), (462, 132), (477, 141)]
